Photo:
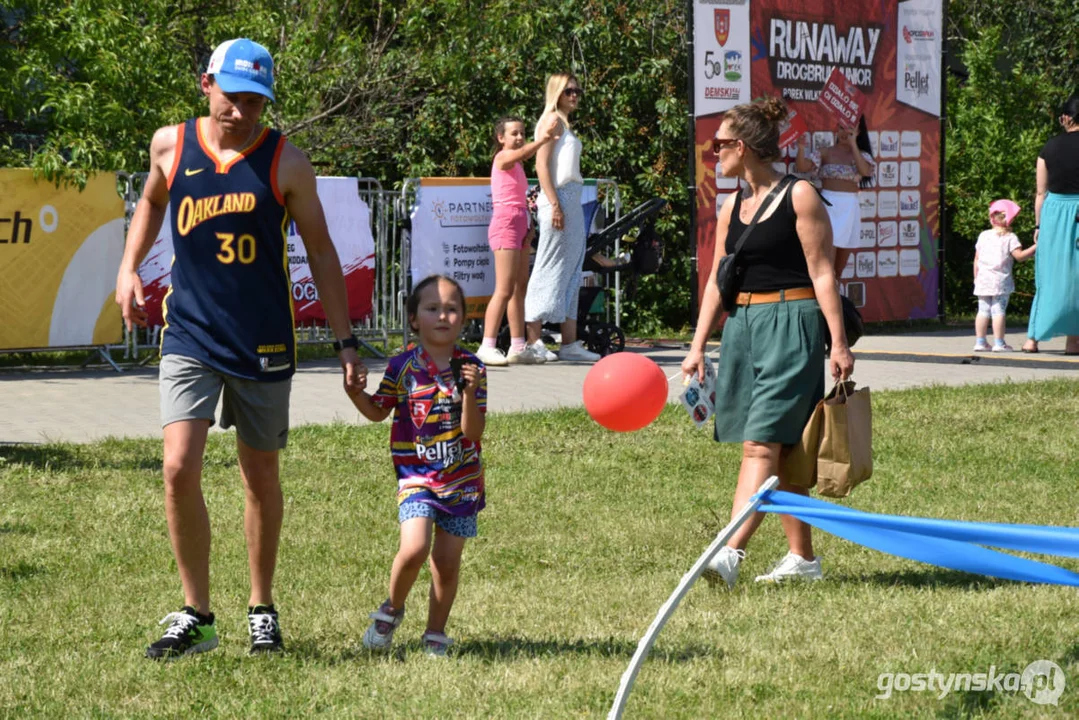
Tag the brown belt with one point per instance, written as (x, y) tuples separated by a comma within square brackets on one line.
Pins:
[(756, 298)]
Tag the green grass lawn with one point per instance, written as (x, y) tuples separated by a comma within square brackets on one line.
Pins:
[(586, 534)]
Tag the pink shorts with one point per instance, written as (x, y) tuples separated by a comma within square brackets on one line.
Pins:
[(508, 228)]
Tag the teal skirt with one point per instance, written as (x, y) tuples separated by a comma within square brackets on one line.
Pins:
[(770, 374), (1056, 270)]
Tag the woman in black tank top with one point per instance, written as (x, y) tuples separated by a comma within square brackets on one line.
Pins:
[(769, 376)]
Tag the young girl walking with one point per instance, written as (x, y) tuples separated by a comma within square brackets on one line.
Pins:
[(439, 394), (506, 236), (997, 249)]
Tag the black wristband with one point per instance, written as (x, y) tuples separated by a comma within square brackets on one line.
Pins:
[(349, 342)]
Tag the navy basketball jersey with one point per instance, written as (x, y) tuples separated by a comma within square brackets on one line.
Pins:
[(230, 304)]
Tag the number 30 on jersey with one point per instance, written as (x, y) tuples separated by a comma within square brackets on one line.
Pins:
[(236, 248)]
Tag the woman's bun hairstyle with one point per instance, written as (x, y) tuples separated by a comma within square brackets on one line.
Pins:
[(757, 125)]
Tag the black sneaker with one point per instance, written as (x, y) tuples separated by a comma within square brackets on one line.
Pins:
[(188, 633), (265, 630)]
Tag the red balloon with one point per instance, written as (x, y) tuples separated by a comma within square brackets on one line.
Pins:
[(625, 391)]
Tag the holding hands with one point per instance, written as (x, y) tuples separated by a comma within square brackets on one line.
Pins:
[(356, 380)]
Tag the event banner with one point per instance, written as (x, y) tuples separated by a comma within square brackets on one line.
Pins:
[(449, 234), (349, 220), (59, 252), (889, 53)]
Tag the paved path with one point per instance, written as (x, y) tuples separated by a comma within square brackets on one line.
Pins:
[(79, 406)]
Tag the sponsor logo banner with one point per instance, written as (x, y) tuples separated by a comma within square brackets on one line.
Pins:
[(796, 45), (348, 219), (59, 252), (721, 58), (919, 25), (449, 235)]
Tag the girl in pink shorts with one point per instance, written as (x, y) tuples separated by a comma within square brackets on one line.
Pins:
[(506, 235)]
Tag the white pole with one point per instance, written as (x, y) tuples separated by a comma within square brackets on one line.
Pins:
[(665, 612)]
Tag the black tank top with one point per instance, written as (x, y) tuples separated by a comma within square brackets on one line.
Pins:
[(772, 256)]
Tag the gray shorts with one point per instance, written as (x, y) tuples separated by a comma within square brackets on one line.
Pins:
[(258, 410)]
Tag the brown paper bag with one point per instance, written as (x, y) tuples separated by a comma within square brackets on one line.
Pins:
[(799, 465), (845, 454)]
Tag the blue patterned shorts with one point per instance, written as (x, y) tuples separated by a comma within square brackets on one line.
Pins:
[(460, 525)]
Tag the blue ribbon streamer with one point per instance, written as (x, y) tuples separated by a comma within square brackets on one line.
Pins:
[(951, 544)]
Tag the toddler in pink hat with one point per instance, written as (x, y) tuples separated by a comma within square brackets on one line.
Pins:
[(997, 249)]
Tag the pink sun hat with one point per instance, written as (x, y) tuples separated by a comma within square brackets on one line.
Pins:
[(1009, 208)]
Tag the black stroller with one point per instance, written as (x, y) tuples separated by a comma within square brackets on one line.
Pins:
[(645, 258)]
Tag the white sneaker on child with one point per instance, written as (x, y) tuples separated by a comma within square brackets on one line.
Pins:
[(577, 351), (527, 356), (541, 350), (724, 566), (793, 567), (491, 356)]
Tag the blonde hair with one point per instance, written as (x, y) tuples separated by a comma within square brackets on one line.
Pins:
[(556, 84), (999, 219), (757, 125)]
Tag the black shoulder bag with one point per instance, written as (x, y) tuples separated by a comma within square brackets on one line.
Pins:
[(729, 274)]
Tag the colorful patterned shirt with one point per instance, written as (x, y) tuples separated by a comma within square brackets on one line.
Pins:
[(434, 461)]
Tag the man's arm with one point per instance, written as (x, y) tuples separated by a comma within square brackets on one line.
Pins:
[(296, 180), (145, 225)]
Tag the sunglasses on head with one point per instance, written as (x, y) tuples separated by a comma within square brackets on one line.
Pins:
[(720, 143), (570, 92)]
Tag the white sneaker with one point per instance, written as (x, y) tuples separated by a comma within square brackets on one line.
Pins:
[(528, 356), (541, 350), (491, 357), (577, 351), (724, 566), (793, 567)]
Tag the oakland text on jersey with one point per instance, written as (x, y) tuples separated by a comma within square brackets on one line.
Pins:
[(193, 211)]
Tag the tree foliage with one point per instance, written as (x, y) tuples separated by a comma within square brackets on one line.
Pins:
[(377, 88), (1018, 62), (403, 88)]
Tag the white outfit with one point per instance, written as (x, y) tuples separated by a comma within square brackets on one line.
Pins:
[(846, 217), (995, 263), (565, 160)]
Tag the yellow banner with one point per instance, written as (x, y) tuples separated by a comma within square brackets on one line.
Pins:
[(59, 253)]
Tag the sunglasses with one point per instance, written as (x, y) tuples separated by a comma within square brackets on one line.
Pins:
[(720, 143), (570, 92)]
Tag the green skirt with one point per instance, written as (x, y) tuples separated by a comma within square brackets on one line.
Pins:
[(770, 374)]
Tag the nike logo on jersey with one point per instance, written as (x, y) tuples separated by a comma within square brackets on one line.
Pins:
[(189, 172)]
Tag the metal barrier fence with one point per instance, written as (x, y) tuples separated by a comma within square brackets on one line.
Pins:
[(390, 212), (607, 193), (375, 328)]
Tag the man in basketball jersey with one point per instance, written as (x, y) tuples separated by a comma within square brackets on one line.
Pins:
[(231, 187)]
